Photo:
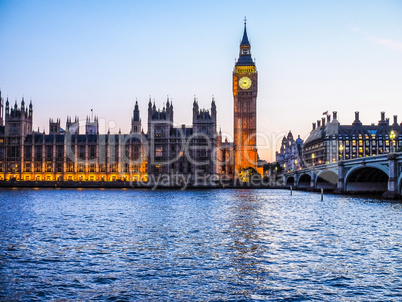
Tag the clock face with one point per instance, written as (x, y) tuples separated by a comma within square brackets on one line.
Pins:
[(245, 83)]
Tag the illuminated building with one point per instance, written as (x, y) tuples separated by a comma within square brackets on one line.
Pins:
[(179, 153), (67, 155), (329, 141), (225, 160), (245, 108), (290, 155)]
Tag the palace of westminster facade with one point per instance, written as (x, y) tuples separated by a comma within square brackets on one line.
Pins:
[(180, 153)]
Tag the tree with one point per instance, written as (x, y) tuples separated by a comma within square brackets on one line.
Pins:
[(249, 175)]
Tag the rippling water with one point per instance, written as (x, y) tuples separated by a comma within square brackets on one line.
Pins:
[(206, 245)]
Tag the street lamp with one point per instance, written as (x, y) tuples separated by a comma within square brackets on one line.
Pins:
[(312, 157), (392, 137)]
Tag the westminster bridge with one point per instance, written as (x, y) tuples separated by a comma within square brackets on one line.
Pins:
[(381, 174)]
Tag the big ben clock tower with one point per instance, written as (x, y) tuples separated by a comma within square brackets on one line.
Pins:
[(245, 106)]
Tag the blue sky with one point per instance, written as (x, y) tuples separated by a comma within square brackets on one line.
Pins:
[(311, 56)]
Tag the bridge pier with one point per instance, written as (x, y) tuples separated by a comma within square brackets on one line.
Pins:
[(312, 181), (341, 178), (393, 177)]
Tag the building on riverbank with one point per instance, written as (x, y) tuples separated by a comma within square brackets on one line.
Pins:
[(175, 154), (67, 155), (329, 141), (289, 157)]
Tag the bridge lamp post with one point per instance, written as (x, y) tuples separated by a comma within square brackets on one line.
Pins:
[(392, 137), (341, 152), (312, 157), (295, 164)]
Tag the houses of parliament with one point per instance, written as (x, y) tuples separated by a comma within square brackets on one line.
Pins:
[(179, 153)]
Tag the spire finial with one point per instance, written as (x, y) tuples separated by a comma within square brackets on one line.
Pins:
[(244, 41)]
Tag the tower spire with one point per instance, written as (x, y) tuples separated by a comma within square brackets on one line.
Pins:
[(244, 41), (245, 53)]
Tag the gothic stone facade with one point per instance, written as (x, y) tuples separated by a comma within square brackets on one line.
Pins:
[(182, 154), (179, 153), (189, 154), (290, 155)]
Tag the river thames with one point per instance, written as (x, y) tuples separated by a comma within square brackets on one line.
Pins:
[(199, 245)]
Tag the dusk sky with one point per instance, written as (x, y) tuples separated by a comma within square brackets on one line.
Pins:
[(311, 56)]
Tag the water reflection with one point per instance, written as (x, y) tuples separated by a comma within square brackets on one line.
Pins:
[(247, 246), (197, 245)]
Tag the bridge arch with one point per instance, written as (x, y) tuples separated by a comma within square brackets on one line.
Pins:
[(290, 181), (370, 178), (327, 180), (304, 181)]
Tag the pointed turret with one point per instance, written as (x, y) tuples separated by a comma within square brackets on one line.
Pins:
[(136, 113), (213, 105), (169, 109), (219, 138), (30, 108), (195, 110), (213, 111), (136, 121), (7, 107)]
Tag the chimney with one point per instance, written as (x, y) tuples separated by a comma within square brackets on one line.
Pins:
[(395, 120), (323, 121), (383, 120), (318, 124), (313, 126), (357, 120), (334, 115), (328, 118)]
